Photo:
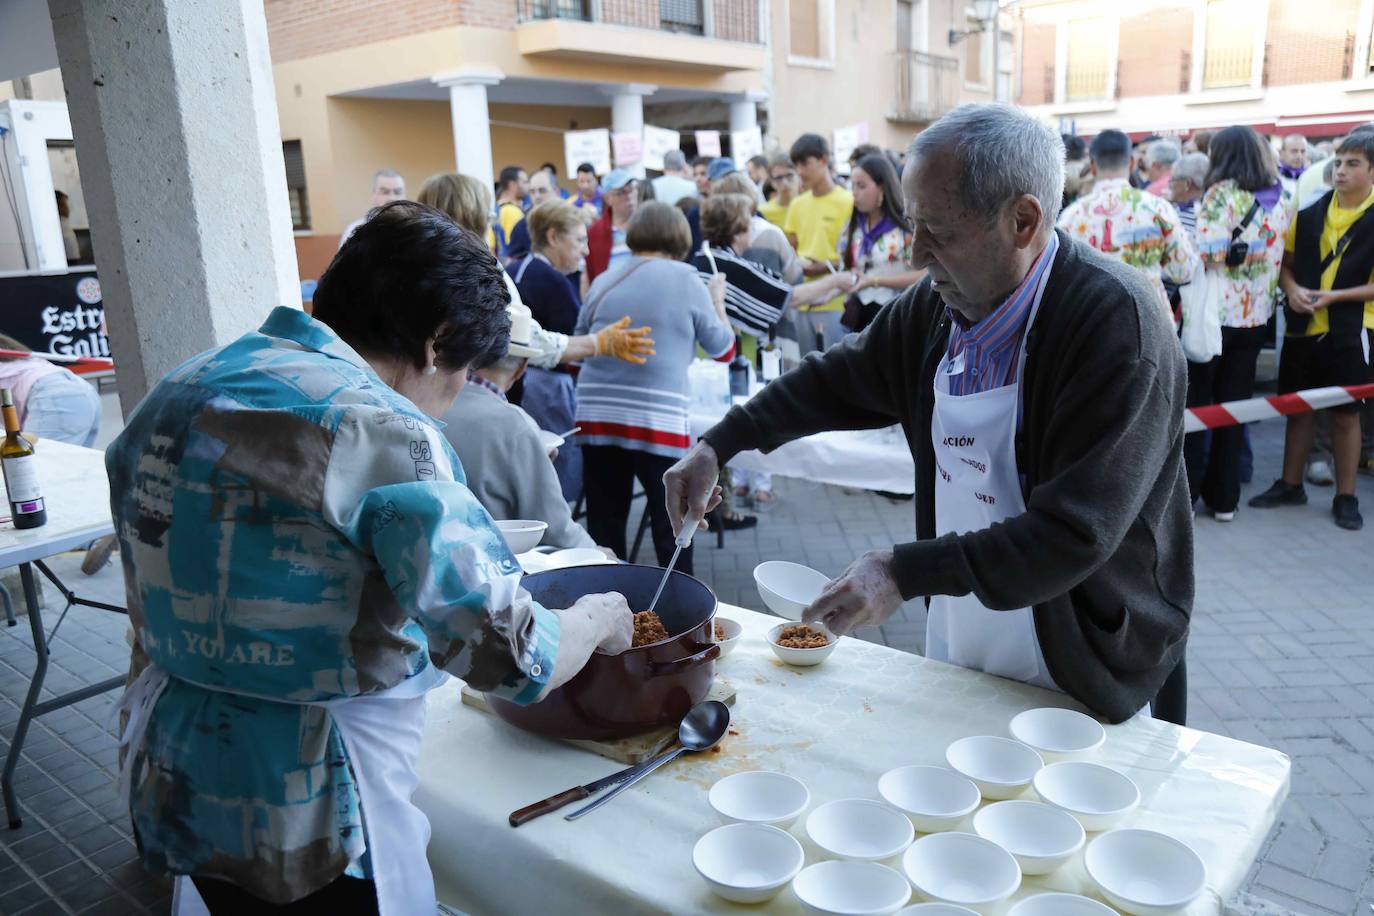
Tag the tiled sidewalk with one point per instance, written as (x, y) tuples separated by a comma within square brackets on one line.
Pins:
[(1280, 654)]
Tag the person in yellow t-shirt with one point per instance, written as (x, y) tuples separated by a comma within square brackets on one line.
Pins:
[(782, 179), (1328, 275), (815, 221), (511, 189)]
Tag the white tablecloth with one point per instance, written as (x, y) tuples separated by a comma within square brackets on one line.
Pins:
[(78, 501), (837, 727)]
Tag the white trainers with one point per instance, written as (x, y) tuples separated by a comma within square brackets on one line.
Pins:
[(1319, 473), (1224, 516)]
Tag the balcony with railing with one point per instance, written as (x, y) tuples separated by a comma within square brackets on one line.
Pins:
[(927, 86), (721, 35)]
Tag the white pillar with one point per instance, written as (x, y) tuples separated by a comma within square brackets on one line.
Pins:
[(467, 99), (181, 164), (744, 112), (627, 113)]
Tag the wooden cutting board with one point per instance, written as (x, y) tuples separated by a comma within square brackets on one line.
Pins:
[(629, 751)]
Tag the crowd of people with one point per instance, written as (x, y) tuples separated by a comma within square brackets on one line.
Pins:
[(1247, 240), (778, 253)]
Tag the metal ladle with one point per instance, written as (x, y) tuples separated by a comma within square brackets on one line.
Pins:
[(701, 729)]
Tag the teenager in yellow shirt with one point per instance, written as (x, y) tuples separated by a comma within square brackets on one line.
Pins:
[(782, 175), (1328, 275), (511, 189), (815, 221)]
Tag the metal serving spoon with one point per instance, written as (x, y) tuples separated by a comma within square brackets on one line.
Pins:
[(702, 728)]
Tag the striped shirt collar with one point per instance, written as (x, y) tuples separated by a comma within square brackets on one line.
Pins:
[(1006, 321), (475, 379)]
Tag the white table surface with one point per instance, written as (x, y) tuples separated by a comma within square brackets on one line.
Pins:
[(78, 501), (837, 727)]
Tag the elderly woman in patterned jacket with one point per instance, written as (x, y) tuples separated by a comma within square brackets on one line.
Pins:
[(303, 562)]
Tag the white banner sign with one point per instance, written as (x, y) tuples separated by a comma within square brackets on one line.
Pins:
[(708, 143), (846, 138), (628, 148), (592, 146), (745, 144), (658, 141)]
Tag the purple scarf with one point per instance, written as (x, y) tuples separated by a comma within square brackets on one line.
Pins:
[(871, 236), (1293, 172), (1269, 197)]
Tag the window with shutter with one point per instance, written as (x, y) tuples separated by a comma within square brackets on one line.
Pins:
[(295, 184), (804, 28), (1088, 59), (1230, 49), (681, 16)]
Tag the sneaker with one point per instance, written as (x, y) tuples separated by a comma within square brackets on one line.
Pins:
[(1319, 473), (1280, 494), (1346, 509), (1224, 516), (98, 555)]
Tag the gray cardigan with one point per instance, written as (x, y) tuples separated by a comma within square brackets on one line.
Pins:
[(507, 467), (1104, 551)]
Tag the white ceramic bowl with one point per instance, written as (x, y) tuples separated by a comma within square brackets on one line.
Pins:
[(937, 909), (1098, 796), (578, 556), (801, 657), (999, 767), (851, 889), (961, 868), (1058, 733), (788, 588), (748, 863), (935, 798), (532, 561), (1039, 837), (1145, 873), (733, 630), (1060, 905), (859, 828), (760, 797), (522, 534)]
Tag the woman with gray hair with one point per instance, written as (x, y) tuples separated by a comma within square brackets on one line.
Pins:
[(1186, 185), (1039, 386)]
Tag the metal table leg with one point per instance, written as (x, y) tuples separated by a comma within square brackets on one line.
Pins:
[(32, 708)]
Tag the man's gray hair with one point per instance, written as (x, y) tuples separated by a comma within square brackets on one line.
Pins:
[(1163, 152), (385, 173), (1193, 167), (674, 161), (509, 365), (1002, 153)]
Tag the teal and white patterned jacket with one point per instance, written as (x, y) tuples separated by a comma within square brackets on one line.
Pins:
[(292, 528)]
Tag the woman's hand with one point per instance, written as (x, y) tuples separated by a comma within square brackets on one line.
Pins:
[(716, 287), (1301, 300), (690, 487), (595, 623), (619, 340), (1320, 299), (865, 594)]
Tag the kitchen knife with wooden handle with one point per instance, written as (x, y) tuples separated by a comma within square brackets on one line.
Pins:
[(577, 793)]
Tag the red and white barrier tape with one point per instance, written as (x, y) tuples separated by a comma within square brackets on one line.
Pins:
[(1232, 413)]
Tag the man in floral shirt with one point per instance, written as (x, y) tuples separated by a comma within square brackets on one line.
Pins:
[(1129, 224)]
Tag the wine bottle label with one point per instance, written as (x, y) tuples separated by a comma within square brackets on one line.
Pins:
[(21, 480)]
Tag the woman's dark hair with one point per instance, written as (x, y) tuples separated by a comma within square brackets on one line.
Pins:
[(1240, 154), (659, 228), (408, 274), (878, 167)]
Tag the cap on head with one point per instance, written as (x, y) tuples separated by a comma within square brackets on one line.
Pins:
[(721, 167), (616, 179)]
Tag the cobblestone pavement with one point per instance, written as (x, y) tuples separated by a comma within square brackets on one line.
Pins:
[(1279, 655)]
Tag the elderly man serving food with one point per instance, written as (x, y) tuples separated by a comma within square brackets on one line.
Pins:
[(1041, 391), (303, 562)]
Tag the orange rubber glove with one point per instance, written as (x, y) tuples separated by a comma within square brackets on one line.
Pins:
[(634, 345)]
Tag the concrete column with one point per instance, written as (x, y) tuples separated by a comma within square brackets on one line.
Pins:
[(467, 99), (181, 164), (627, 113), (744, 112)]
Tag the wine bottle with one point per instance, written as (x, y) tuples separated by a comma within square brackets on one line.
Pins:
[(739, 372), (27, 507)]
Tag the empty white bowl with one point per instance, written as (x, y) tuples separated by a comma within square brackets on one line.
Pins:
[(937, 909), (788, 588), (733, 630), (760, 797), (999, 767), (1058, 733), (859, 828), (851, 889), (1098, 796), (1145, 873), (1060, 905), (961, 868), (935, 798), (578, 556), (748, 863), (522, 534), (802, 657), (1039, 837)]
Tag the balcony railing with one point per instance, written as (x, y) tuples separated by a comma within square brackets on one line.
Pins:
[(731, 20), (927, 85)]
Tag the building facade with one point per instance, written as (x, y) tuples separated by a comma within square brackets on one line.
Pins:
[(1143, 66)]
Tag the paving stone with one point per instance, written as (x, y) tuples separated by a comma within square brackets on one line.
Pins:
[(1310, 891)]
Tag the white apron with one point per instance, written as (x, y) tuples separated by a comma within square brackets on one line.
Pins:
[(381, 732), (976, 486)]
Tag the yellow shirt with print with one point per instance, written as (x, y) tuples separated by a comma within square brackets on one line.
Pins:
[(774, 212), (509, 216), (818, 222), (1338, 220)]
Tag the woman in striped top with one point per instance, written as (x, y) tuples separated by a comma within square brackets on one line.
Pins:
[(634, 418)]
